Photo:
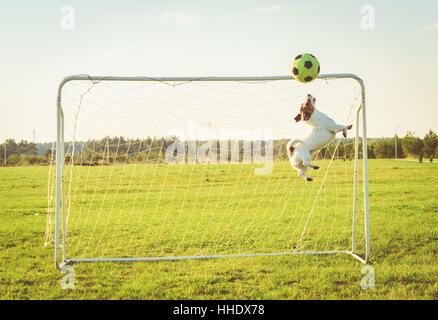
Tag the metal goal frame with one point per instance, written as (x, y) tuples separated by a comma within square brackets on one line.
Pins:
[(60, 217)]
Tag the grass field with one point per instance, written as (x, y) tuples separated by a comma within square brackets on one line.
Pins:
[(404, 234)]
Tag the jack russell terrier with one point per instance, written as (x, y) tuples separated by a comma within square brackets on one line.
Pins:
[(323, 132)]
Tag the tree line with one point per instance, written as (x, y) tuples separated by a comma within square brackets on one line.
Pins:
[(21, 153), (152, 149), (410, 146)]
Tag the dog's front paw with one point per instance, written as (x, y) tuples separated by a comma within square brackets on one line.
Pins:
[(309, 179), (344, 133), (349, 127)]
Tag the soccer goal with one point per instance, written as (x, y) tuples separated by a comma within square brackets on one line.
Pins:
[(172, 168)]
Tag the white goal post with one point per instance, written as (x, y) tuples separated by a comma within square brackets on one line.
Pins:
[(116, 192)]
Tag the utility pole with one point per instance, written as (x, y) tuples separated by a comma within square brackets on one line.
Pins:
[(4, 158), (396, 158)]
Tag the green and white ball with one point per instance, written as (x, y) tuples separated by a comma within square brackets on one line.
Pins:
[(305, 67)]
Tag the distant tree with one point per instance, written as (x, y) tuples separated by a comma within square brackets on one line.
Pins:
[(32, 149), (48, 153), (413, 145), (11, 147), (22, 147), (25, 147), (430, 142), (384, 149), (371, 150), (13, 159), (2, 152)]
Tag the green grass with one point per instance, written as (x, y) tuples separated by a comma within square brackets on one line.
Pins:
[(244, 213)]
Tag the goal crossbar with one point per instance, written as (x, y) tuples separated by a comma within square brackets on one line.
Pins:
[(60, 217)]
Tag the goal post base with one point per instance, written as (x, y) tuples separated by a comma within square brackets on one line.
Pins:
[(357, 257), (71, 261)]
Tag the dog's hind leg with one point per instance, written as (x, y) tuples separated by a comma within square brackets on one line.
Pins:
[(302, 174), (313, 166)]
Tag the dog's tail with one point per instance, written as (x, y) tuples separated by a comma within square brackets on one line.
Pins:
[(291, 146)]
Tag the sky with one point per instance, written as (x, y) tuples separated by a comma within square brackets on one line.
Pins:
[(396, 55)]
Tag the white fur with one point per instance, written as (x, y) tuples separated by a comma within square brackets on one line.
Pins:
[(323, 131)]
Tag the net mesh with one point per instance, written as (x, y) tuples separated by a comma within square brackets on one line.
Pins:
[(167, 168)]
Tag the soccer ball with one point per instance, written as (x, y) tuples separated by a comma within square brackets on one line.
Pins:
[(305, 67)]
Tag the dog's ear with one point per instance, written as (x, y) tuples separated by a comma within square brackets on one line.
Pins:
[(298, 117)]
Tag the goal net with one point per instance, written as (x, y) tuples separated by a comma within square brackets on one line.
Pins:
[(177, 168)]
